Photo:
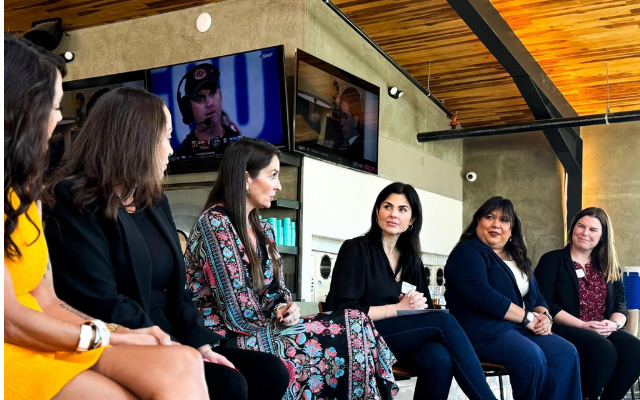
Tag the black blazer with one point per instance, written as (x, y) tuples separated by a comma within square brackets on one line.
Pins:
[(102, 267), (559, 284), (480, 288)]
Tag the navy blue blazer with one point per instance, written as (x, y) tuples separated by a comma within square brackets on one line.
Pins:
[(480, 288)]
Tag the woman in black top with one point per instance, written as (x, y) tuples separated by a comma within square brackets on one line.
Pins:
[(114, 246), (369, 275), (582, 284)]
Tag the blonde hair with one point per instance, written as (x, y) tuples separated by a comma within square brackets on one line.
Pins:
[(606, 257)]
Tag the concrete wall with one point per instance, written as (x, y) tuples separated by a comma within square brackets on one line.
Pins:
[(238, 25), (611, 181), (523, 168)]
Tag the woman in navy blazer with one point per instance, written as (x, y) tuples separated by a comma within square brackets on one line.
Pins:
[(491, 290), (583, 285)]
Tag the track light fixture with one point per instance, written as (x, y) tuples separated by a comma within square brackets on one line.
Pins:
[(46, 33), (395, 93)]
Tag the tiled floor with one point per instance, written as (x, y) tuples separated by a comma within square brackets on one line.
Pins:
[(407, 390)]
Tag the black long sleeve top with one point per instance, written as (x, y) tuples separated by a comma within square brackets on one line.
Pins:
[(362, 277)]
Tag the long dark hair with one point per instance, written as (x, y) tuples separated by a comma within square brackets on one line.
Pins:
[(606, 257), (29, 90), (409, 241), (515, 246), (116, 151), (251, 156)]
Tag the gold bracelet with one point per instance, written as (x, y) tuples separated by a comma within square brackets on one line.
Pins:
[(113, 327)]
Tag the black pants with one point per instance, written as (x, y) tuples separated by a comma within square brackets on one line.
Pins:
[(261, 376), (611, 362), (436, 348)]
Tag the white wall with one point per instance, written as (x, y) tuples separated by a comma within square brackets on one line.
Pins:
[(337, 204)]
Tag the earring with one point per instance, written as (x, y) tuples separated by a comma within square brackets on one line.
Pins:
[(376, 219), (509, 238), (410, 226)]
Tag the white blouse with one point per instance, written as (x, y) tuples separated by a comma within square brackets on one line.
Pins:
[(521, 279)]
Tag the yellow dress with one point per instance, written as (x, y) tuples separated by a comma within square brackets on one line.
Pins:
[(33, 374)]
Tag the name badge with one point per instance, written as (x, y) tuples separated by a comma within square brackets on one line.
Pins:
[(406, 286), (580, 273)]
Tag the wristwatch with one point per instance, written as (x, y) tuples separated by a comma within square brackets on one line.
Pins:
[(618, 325), (549, 316), (528, 318)]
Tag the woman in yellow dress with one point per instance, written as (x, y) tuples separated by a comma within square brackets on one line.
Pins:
[(50, 349)]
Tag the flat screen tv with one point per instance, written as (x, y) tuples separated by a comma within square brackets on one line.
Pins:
[(216, 101), (78, 100), (336, 115), (80, 96)]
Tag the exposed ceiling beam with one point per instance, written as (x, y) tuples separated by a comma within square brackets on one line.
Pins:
[(541, 95), (498, 37)]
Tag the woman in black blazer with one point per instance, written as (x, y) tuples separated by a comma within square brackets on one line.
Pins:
[(583, 286), (491, 291), (114, 246)]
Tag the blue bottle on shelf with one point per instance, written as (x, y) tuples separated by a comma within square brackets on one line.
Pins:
[(280, 233), (293, 233), (287, 231), (274, 225)]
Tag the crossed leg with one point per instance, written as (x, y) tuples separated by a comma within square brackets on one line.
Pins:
[(145, 372)]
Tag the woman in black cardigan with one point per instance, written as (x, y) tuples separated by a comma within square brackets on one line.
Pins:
[(114, 246), (382, 275), (583, 287)]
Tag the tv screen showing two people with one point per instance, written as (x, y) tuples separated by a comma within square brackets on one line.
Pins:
[(215, 102)]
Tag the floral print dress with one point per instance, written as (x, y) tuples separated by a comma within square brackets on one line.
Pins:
[(328, 355)]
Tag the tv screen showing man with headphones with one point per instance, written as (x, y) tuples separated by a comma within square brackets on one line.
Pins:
[(215, 102)]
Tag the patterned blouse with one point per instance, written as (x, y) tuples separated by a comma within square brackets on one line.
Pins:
[(593, 293)]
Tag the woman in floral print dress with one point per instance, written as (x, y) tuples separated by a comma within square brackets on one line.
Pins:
[(235, 273)]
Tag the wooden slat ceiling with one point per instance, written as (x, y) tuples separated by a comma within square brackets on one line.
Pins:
[(571, 40), (78, 14), (464, 74)]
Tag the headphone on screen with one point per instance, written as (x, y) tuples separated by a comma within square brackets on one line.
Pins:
[(184, 102)]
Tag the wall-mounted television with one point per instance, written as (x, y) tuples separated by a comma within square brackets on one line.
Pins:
[(81, 95), (78, 99), (216, 101), (336, 115)]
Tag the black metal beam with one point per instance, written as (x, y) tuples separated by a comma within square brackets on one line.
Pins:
[(387, 57), (543, 98), (598, 119)]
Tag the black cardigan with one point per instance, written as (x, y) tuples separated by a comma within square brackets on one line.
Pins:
[(102, 267), (559, 285), (362, 277)]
